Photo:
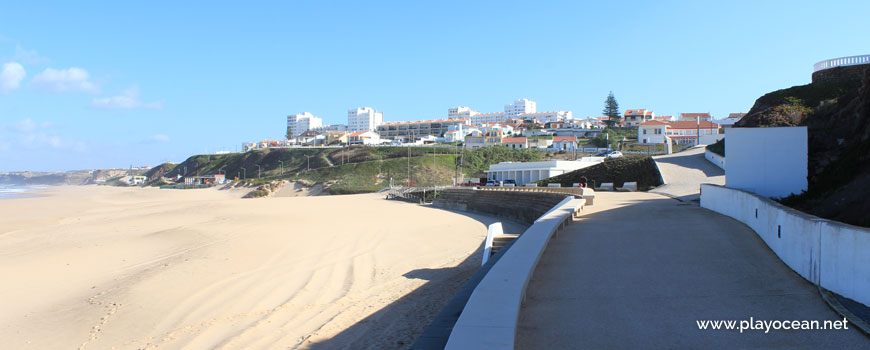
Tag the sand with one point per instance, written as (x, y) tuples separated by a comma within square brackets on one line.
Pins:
[(92, 267)]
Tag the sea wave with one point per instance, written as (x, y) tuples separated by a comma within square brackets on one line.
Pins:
[(10, 191)]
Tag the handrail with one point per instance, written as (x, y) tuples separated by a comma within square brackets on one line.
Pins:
[(841, 62), (489, 319)]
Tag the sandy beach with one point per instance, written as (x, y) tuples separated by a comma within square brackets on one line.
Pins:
[(129, 268)]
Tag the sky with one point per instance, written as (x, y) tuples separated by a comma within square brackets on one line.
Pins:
[(114, 84)]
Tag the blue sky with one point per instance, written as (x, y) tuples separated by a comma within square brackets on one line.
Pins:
[(112, 84)]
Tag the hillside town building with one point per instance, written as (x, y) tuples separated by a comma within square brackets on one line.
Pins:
[(299, 123), (364, 119)]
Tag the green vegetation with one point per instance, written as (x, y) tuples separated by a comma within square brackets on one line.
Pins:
[(793, 106), (356, 169), (718, 147), (611, 110), (618, 171), (645, 147), (613, 136)]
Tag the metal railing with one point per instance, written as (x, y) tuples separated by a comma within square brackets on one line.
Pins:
[(417, 194), (577, 191), (841, 62)]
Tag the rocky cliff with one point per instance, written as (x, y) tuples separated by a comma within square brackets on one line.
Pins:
[(837, 117)]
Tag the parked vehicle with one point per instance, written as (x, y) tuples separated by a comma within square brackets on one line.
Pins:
[(491, 183), (509, 182), (614, 154)]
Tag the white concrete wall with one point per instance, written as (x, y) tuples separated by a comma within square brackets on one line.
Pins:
[(711, 139), (831, 254), (489, 319), (716, 159), (769, 161)]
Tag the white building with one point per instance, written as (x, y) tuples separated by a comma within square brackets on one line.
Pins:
[(520, 106), (461, 112), (364, 119), (548, 117), (334, 127), (299, 123), (652, 131), (525, 172), (364, 138), (488, 118)]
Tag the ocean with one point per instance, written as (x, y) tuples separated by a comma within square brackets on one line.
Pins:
[(13, 191)]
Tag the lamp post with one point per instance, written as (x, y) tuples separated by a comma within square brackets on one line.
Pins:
[(258, 170), (282, 167), (244, 173), (309, 162)]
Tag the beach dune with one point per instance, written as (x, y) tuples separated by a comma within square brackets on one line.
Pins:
[(130, 268)]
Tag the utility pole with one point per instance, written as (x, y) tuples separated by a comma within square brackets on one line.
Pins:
[(409, 165), (309, 162), (698, 123), (258, 170), (245, 172), (282, 167)]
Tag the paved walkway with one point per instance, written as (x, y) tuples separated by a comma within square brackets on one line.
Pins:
[(684, 172), (606, 282)]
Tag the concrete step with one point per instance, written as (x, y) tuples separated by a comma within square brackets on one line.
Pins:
[(500, 241)]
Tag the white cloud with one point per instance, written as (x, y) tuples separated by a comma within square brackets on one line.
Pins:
[(29, 134), (28, 125), (129, 99), (11, 76), (72, 79), (28, 56), (158, 138)]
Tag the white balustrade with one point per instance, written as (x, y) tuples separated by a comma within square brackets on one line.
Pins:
[(841, 62)]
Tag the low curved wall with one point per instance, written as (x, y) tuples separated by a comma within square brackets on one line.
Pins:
[(715, 158), (489, 317), (827, 253)]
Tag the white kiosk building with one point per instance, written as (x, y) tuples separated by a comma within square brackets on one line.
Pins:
[(525, 172)]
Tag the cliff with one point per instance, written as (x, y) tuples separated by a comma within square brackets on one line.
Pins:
[(837, 117)]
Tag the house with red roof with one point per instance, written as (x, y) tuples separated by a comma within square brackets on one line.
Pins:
[(678, 132), (364, 138), (515, 142), (564, 143), (634, 117), (653, 131)]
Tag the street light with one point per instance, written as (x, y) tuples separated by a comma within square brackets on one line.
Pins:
[(309, 162), (245, 173), (282, 167), (258, 170)]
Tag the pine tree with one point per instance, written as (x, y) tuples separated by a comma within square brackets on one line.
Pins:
[(611, 110)]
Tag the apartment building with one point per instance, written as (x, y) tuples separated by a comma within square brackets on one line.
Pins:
[(461, 112), (299, 123), (364, 119), (419, 128)]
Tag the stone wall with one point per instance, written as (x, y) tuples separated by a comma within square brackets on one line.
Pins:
[(840, 74), (525, 207)]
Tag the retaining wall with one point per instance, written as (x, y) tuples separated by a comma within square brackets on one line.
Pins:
[(522, 206), (840, 74), (830, 254), (715, 158)]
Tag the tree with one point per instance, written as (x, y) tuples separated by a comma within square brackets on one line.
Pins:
[(611, 110)]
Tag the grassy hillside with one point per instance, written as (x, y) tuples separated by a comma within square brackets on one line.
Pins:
[(353, 169)]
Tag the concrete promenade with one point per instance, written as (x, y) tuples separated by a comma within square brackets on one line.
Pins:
[(684, 172), (637, 270)]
